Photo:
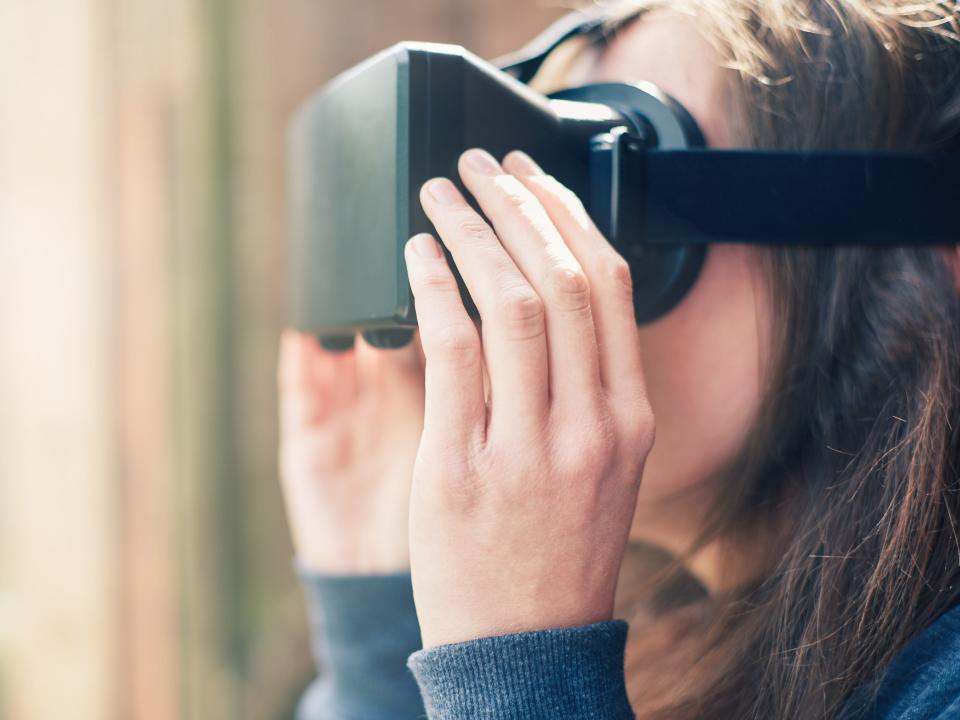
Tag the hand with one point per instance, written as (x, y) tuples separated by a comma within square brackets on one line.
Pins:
[(349, 427), (522, 502)]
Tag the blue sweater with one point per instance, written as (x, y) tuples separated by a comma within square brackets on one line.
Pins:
[(366, 640)]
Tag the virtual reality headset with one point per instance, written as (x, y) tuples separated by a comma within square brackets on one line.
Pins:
[(362, 147)]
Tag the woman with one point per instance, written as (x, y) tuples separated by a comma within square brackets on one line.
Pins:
[(792, 550)]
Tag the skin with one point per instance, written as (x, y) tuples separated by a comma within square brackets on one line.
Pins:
[(522, 503), (350, 423), (506, 493), (705, 360)]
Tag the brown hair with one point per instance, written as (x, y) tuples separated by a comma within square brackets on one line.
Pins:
[(856, 447)]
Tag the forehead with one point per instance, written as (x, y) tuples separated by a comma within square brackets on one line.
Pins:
[(667, 49)]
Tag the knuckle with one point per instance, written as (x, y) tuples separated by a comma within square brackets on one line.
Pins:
[(472, 229), (516, 199), (519, 200), (594, 450), (646, 438), (645, 433), (456, 342), (569, 287), (569, 198), (550, 183), (638, 426), (512, 190), (587, 457), (604, 439), (480, 475), (438, 280), (523, 311), (565, 201), (561, 193), (618, 270)]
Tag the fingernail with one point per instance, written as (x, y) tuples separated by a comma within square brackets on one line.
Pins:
[(426, 247), (443, 191), (523, 163), (482, 162)]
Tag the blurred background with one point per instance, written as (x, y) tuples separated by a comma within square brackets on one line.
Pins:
[(144, 558)]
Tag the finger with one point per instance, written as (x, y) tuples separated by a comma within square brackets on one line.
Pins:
[(404, 360), (344, 380), (621, 369), (539, 250), (293, 375), (293, 372), (369, 384), (303, 399), (385, 369), (320, 362), (454, 411), (513, 327)]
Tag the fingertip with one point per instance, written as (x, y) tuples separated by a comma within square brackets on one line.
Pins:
[(439, 191), (480, 162), (518, 163), (423, 246), (409, 252), (424, 194), (362, 346)]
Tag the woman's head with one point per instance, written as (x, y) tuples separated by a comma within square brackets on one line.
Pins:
[(806, 399)]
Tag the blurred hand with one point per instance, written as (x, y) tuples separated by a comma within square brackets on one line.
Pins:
[(350, 423), (522, 502)]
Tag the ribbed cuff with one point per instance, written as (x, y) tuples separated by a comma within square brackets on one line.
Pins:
[(363, 629), (559, 673)]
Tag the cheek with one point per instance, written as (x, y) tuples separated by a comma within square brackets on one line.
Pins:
[(703, 368)]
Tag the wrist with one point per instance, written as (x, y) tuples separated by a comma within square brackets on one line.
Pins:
[(446, 626), (348, 545), (350, 559)]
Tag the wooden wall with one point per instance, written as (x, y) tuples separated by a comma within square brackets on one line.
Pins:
[(144, 559)]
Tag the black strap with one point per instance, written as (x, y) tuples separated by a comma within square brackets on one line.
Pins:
[(770, 197), (525, 62), (833, 198)]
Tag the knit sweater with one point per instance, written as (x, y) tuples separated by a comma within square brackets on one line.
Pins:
[(366, 640)]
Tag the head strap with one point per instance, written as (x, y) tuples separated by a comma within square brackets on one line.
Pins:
[(525, 62)]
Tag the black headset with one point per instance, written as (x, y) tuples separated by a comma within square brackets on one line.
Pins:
[(652, 186)]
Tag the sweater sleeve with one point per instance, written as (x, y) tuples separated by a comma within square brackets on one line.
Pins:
[(362, 630), (921, 683), (561, 673)]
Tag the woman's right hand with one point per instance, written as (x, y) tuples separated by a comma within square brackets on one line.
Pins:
[(350, 424)]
